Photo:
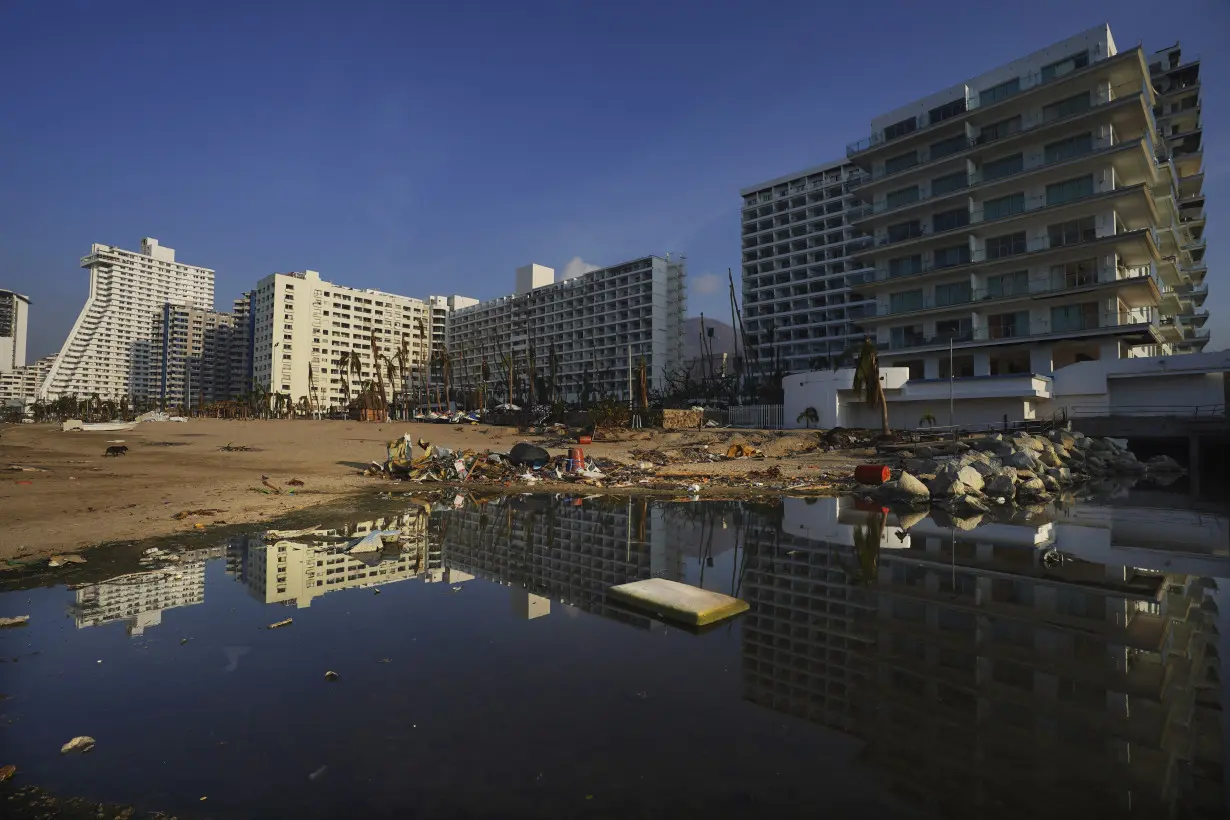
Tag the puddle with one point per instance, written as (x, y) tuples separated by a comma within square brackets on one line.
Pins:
[(887, 667)]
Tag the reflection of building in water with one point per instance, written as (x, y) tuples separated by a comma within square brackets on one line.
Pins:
[(985, 677), (296, 571), (139, 598), (550, 550)]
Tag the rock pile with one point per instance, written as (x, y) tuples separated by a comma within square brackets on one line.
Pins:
[(1018, 468)]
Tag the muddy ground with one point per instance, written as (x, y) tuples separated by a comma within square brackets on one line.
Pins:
[(78, 497)]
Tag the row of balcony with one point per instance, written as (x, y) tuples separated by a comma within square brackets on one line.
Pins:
[(1078, 69), (1122, 94), (1027, 290), (1021, 327)]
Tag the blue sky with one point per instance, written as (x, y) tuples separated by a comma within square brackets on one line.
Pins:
[(427, 148)]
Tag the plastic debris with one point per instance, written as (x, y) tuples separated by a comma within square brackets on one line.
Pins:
[(7, 772), (61, 560), (331, 676), (18, 620), (280, 624), (373, 541), (82, 743)]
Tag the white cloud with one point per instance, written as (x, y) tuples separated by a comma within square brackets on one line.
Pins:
[(706, 284), (577, 266)]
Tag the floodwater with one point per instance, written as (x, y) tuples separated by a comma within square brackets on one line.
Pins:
[(1064, 664)]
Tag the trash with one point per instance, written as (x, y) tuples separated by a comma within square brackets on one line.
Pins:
[(594, 474), (871, 474), (61, 560), (331, 675), (524, 453), (279, 534), (281, 624), (742, 451), (182, 514), (20, 468), (82, 743), (265, 482), (294, 482), (460, 467), (7, 772), (680, 602), (373, 541), (19, 620), (236, 448)]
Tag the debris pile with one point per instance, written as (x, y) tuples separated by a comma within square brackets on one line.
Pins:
[(1018, 468)]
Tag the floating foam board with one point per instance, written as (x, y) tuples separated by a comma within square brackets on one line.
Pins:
[(678, 602)]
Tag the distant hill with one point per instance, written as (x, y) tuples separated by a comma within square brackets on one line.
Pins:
[(723, 338)]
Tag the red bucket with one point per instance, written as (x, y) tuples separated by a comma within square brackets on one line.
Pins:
[(585, 440), (872, 474)]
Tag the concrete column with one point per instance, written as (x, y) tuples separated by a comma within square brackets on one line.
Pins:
[(982, 363), (1193, 462), (1041, 359)]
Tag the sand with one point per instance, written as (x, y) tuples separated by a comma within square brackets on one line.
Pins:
[(84, 498)]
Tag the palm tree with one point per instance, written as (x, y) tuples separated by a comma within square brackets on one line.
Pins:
[(446, 375), (342, 364), (390, 370), (484, 374), (424, 360), (867, 538), (867, 381), (809, 417), (355, 362), (384, 397)]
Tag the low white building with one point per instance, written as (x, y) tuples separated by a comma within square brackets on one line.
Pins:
[(1130, 386)]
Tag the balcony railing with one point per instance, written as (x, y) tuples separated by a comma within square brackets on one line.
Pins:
[(1035, 287), (1114, 94), (1032, 246), (1029, 330)]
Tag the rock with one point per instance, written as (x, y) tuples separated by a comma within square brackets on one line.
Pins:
[(946, 486), (908, 485), (1095, 465), (1099, 445), (1084, 443), (1163, 464), (920, 465), (528, 454), (1061, 474), (1021, 460), (1000, 485), (1126, 465), (1025, 475), (1120, 444), (970, 504), (1076, 454), (1050, 483), (984, 468), (1050, 458), (970, 477), (1031, 487), (1033, 443)]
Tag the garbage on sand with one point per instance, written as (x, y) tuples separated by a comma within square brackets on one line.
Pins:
[(17, 620), (280, 624), (61, 560)]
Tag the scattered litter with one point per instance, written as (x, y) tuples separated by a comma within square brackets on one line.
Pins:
[(331, 675), (680, 602), (294, 482), (61, 560), (82, 743), (236, 448), (182, 514), (19, 620), (265, 482), (281, 624), (373, 541), (7, 772), (21, 468), (456, 589)]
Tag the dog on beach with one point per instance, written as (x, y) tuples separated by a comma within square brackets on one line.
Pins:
[(117, 450)]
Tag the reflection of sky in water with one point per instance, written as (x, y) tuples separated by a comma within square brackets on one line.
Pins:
[(886, 663)]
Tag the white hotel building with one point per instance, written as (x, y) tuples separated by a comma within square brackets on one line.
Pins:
[(302, 325), (103, 354), (803, 300), (1038, 215), (14, 322), (593, 322)]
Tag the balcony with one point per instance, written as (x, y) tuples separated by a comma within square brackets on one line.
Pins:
[(1140, 289), (1125, 105), (1126, 67), (1141, 328)]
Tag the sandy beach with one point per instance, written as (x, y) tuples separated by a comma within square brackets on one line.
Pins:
[(77, 497)]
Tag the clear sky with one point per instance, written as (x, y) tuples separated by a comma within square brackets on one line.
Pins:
[(431, 148)]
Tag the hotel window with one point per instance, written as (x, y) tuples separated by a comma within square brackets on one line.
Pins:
[(900, 129), (1003, 91), (1065, 66), (905, 265), (953, 293), (946, 111), (1075, 274), (896, 199), (948, 183), (953, 255), (905, 300), (1008, 325), (999, 130), (1003, 206), (1008, 284), (944, 148), (895, 164), (1072, 232), (949, 220), (1002, 167), (1068, 190), (1066, 108), (1066, 318), (1006, 245)]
